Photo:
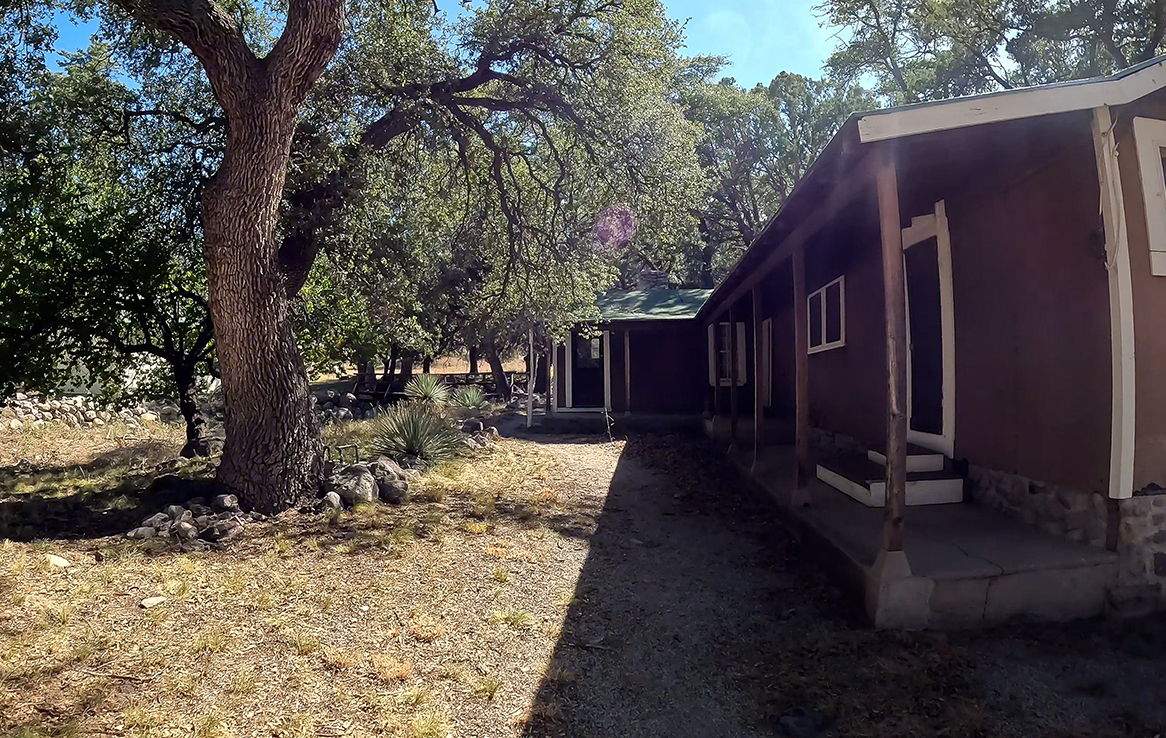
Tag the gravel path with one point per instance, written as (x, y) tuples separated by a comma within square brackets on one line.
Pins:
[(696, 615)]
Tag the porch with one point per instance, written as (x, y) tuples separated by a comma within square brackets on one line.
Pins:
[(967, 566)]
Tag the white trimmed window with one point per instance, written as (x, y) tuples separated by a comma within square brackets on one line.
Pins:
[(720, 355), (827, 316), (1150, 137)]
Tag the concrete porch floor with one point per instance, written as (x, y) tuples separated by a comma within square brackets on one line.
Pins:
[(969, 566)]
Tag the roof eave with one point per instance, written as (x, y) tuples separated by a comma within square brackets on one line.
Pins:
[(1119, 89)]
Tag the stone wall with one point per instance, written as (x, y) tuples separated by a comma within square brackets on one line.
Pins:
[(77, 411), (1078, 516), (1141, 550)]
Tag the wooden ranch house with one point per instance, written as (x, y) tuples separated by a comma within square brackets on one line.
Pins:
[(946, 354), (639, 355)]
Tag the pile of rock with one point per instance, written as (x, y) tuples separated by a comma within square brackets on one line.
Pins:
[(78, 411), (332, 405), (196, 523), (364, 483), (478, 435)]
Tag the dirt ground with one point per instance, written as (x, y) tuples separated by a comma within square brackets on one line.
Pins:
[(546, 587)]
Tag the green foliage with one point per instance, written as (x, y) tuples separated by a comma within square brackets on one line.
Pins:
[(470, 398), (415, 430), (101, 273), (754, 147), (427, 388), (928, 50)]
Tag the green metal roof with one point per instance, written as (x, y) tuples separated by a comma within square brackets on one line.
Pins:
[(650, 304)]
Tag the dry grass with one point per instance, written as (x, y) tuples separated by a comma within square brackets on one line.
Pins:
[(376, 622), (113, 446)]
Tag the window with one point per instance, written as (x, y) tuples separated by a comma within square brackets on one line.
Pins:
[(720, 356), (1150, 138), (827, 316)]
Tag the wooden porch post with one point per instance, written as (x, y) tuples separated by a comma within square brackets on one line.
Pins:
[(627, 372), (801, 373), (896, 317), (733, 373), (758, 400)]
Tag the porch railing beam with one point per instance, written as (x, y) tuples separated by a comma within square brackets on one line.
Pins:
[(895, 308)]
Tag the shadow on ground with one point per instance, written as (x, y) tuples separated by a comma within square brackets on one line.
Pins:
[(696, 614), (105, 496)]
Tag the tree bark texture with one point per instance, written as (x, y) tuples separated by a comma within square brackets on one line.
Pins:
[(196, 444), (473, 359), (501, 383), (272, 458), (406, 374)]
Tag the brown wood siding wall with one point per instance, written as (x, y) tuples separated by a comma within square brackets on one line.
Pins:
[(669, 368), (1032, 326), (777, 305), (618, 398), (1149, 304), (848, 387)]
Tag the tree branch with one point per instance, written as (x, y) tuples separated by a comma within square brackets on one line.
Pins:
[(212, 35)]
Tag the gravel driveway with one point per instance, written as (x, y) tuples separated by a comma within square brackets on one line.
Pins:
[(696, 615)]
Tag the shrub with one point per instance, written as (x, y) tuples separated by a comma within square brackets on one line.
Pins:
[(427, 388), (469, 398), (415, 429)]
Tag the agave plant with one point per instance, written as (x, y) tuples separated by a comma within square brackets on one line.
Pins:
[(427, 388), (470, 398), (415, 430)]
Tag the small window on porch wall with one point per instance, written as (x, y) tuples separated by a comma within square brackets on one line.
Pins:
[(720, 358), (1150, 139), (826, 308)]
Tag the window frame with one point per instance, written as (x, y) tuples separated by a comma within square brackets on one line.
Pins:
[(821, 293), (722, 349), (1150, 141)]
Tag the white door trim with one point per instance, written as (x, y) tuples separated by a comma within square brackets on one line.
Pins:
[(570, 405), (922, 228), (1121, 309)]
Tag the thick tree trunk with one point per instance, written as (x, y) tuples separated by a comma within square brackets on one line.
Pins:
[(501, 383), (273, 455), (390, 364), (407, 368), (426, 364), (473, 359), (188, 405), (365, 370)]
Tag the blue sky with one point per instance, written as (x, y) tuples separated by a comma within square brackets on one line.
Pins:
[(760, 37)]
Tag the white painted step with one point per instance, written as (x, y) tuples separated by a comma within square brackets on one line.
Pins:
[(919, 459), (865, 481)]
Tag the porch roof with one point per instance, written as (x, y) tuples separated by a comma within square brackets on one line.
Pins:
[(650, 304), (842, 164)]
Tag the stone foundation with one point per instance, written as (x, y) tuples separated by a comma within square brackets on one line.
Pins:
[(1078, 516), (1141, 550)]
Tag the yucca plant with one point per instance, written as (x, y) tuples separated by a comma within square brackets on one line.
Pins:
[(427, 388), (415, 430), (470, 398)]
